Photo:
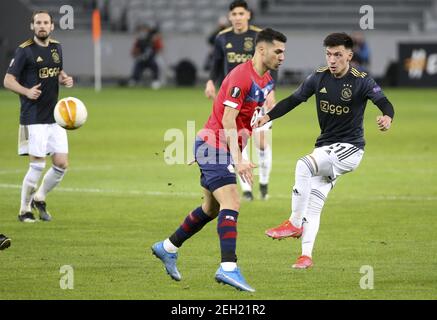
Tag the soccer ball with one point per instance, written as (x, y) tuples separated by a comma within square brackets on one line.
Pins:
[(70, 113)]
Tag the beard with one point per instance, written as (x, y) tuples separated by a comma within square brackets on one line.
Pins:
[(42, 35)]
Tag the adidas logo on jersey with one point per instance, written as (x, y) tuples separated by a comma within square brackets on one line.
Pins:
[(39, 59), (323, 90), (229, 45)]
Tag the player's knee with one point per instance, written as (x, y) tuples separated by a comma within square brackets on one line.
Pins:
[(304, 167), (211, 209), (62, 164), (231, 204)]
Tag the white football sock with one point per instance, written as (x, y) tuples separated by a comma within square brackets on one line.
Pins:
[(30, 183), (51, 179), (319, 192), (312, 222), (169, 247), (265, 164), (228, 266), (244, 185), (301, 190)]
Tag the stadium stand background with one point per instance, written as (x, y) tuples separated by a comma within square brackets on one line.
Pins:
[(185, 25)]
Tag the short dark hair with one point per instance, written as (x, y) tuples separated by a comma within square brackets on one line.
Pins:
[(238, 3), (269, 35), (41, 11), (338, 39)]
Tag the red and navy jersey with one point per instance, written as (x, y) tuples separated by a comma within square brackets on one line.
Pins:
[(34, 64), (242, 89)]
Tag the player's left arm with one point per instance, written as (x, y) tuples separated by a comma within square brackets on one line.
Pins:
[(65, 79), (374, 93), (384, 121)]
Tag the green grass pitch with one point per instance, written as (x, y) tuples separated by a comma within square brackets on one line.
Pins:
[(119, 197)]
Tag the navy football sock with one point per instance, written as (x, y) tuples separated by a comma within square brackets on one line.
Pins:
[(227, 230), (192, 224)]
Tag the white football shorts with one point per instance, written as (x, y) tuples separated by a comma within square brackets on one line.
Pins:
[(40, 140), (336, 159)]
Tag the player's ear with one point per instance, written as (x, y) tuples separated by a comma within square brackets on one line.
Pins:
[(31, 26), (52, 27), (261, 47), (351, 54)]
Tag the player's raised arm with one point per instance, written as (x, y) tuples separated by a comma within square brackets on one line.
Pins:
[(305, 91)]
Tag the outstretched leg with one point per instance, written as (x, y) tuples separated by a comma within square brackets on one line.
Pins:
[(167, 250)]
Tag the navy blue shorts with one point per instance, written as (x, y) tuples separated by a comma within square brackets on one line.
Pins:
[(216, 168)]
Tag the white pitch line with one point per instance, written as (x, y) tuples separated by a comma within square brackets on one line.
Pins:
[(11, 171), (112, 191), (199, 194)]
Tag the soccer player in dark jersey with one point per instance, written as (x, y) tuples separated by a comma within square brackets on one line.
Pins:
[(5, 242), (218, 153), (235, 45), (341, 96), (35, 73)]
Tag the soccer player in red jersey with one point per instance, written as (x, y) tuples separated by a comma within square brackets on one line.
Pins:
[(232, 46), (218, 152)]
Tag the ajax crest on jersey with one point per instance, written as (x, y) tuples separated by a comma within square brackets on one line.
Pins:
[(70, 113)]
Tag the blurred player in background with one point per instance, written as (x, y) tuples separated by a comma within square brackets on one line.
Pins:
[(222, 23), (144, 51), (5, 242), (35, 73), (341, 96), (235, 45), (361, 50), (218, 153)]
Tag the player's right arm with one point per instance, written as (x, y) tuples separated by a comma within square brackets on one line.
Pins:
[(11, 83), (16, 67), (305, 91), (216, 69)]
